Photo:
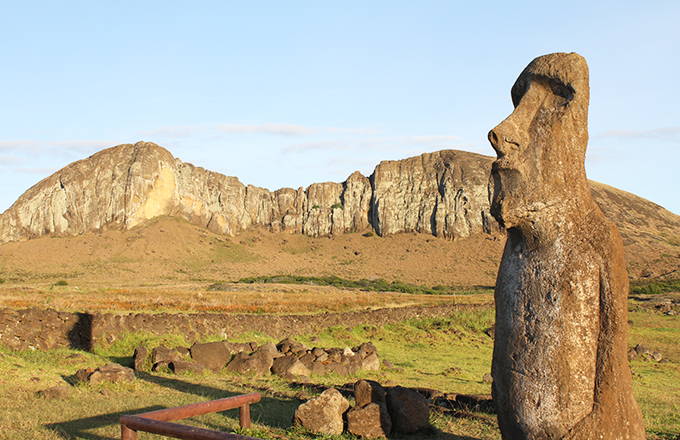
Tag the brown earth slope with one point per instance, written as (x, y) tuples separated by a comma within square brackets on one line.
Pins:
[(134, 215)]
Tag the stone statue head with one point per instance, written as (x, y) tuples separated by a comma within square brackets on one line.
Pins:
[(541, 146)]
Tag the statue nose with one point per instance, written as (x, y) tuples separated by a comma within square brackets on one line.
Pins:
[(500, 142)]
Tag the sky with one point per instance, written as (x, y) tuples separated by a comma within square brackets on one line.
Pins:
[(286, 94)]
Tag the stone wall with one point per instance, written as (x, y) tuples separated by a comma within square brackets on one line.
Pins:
[(49, 329)]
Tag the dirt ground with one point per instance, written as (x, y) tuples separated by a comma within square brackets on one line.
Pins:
[(169, 251)]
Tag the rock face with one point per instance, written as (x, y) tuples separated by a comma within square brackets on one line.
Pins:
[(323, 414), (443, 193), (408, 410), (559, 365)]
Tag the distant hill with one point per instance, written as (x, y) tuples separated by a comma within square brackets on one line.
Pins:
[(442, 194)]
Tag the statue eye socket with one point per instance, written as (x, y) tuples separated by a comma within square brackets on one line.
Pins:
[(562, 91)]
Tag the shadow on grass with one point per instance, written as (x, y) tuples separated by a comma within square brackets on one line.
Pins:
[(273, 413), (270, 412), (79, 428)]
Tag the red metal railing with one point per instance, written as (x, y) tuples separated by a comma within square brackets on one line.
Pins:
[(158, 422)]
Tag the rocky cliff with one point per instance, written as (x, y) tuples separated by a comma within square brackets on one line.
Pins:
[(443, 193)]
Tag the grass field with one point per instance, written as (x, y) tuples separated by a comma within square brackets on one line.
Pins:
[(450, 355)]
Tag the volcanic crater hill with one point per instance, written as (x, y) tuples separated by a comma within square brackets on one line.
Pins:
[(444, 194)]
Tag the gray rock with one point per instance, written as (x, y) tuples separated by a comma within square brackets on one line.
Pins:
[(318, 368), (408, 410), (162, 354), (369, 391), (369, 421), (213, 355), (182, 367), (113, 373), (323, 414), (56, 392), (257, 364), (289, 365), (139, 358), (371, 363)]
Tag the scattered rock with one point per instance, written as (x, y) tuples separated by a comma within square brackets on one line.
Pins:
[(181, 367), (113, 373), (164, 355), (371, 362), (139, 358), (408, 410), (323, 414), (57, 392), (289, 365), (369, 391), (370, 421), (487, 378), (212, 355)]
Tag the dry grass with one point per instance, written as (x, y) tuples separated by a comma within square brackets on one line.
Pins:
[(244, 298)]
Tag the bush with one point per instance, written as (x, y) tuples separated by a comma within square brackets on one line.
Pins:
[(61, 283), (654, 287), (2, 280)]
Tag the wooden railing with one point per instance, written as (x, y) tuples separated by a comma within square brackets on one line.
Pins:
[(158, 422)]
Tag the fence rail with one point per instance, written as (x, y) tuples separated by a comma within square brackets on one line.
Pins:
[(159, 422)]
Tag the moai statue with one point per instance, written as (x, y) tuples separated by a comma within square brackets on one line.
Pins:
[(560, 369)]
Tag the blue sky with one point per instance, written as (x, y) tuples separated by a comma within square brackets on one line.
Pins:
[(285, 94)]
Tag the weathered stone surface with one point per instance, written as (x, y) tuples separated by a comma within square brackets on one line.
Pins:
[(408, 410), (371, 362), (270, 348), (289, 365), (369, 391), (113, 373), (258, 364), (57, 392), (441, 193), (139, 358), (182, 367), (444, 193), (323, 414), (560, 363), (370, 421), (164, 355), (212, 355)]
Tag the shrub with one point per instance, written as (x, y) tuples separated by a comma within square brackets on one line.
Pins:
[(2, 280), (61, 283)]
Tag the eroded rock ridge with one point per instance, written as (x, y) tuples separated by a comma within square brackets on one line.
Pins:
[(443, 193)]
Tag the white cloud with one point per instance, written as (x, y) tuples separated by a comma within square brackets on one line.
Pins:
[(13, 145), (316, 146), (663, 133), (9, 160), (270, 128)]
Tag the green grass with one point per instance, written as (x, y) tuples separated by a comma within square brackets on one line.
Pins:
[(450, 354), (654, 287), (378, 285)]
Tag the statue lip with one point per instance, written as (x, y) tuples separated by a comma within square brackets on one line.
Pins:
[(500, 164)]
